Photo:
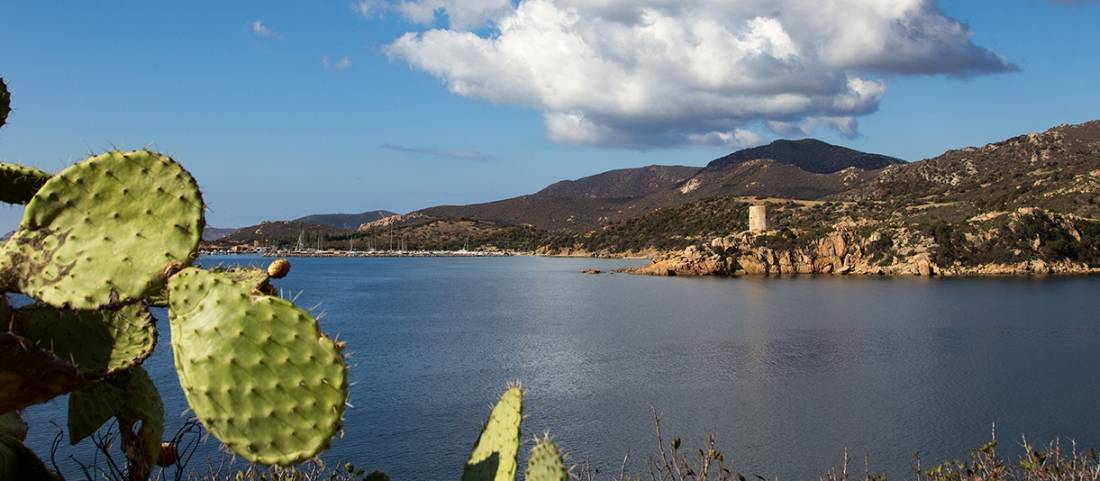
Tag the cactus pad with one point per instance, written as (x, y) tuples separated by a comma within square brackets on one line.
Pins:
[(494, 455), (98, 343), (89, 408), (130, 396), (18, 183), (5, 102), (17, 462), (11, 424), (254, 278), (105, 232), (255, 369), (29, 375), (545, 463)]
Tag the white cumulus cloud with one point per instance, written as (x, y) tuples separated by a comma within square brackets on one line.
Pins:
[(367, 8), (260, 29), (652, 73), (461, 14)]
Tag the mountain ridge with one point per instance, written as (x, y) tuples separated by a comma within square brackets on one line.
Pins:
[(811, 155), (804, 169)]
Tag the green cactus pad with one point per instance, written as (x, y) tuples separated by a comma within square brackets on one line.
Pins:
[(5, 102), (494, 455), (98, 343), (5, 311), (105, 232), (251, 277), (18, 463), (130, 396), (29, 375), (89, 408), (255, 369), (18, 183), (11, 424), (545, 463)]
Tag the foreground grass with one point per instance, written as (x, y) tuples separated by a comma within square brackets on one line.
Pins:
[(669, 461)]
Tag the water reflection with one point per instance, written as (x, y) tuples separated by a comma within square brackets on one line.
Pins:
[(787, 372)]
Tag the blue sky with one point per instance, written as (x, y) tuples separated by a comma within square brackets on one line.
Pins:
[(317, 109)]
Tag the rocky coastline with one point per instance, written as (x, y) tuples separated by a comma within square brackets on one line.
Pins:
[(854, 250)]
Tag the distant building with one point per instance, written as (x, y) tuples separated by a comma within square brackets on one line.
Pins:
[(758, 218)]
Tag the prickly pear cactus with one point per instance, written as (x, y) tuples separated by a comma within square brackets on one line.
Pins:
[(5, 102), (254, 278), (11, 424), (18, 183), (29, 375), (255, 369), (494, 455), (105, 232), (545, 463), (98, 343), (130, 396), (17, 463)]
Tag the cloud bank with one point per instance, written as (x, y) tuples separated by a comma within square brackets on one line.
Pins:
[(655, 73)]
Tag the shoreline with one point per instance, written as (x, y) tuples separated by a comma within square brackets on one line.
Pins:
[(868, 275), (292, 254), (992, 271)]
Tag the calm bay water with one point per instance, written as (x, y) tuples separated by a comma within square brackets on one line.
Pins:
[(786, 372)]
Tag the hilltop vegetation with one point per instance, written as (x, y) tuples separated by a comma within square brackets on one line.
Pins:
[(667, 228), (1058, 170)]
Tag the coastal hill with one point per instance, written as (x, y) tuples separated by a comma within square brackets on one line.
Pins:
[(344, 221), (286, 233), (283, 234), (211, 234), (1058, 169), (621, 183), (804, 169), (1026, 205), (575, 204)]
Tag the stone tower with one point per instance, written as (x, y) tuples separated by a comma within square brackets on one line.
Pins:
[(758, 218)]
